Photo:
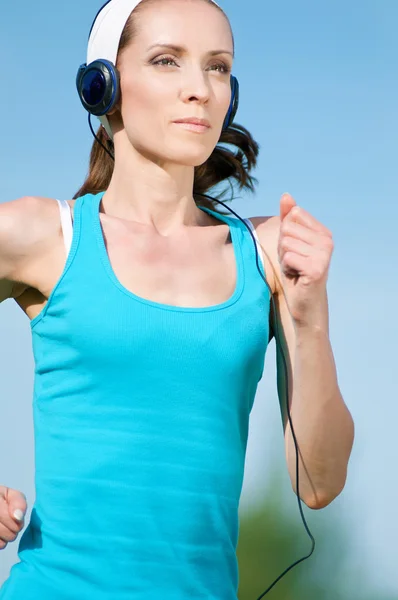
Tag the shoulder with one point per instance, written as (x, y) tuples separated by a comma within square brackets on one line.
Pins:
[(268, 232), (28, 226), (27, 221), (25, 210)]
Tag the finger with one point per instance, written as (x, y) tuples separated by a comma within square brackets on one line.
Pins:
[(6, 535), (293, 263), (11, 524), (17, 504), (303, 217), (7, 520), (301, 232), (286, 205), (290, 244)]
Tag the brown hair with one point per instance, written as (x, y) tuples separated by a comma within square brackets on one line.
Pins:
[(221, 165)]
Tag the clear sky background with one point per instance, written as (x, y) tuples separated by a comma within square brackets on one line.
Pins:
[(319, 92)]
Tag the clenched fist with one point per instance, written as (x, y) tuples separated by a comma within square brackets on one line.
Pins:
[(13, 507)]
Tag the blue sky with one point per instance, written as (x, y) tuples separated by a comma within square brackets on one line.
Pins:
[(319, 92)]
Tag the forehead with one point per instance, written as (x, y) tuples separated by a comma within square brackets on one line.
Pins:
[(183, 21)]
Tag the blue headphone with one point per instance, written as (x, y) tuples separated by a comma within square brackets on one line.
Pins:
[(98, 86)]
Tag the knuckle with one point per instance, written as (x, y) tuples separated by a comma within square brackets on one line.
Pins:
[(296, 210), (284, 243), (7, 535), (8, 529), (317, 274)]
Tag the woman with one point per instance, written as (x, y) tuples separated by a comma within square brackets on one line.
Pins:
[(150, 324)]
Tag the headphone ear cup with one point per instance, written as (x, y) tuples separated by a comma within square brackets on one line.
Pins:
[(98, 86), (233, 107)]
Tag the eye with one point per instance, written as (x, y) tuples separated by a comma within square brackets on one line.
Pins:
[(167, 59), (225, 68), (162, 60)]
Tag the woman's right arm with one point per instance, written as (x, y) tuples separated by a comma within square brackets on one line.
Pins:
[(20, 229)]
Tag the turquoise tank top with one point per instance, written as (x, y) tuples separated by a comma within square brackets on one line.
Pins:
[(141, 414)]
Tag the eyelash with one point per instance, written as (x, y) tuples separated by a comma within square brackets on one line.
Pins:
[(225, 67)]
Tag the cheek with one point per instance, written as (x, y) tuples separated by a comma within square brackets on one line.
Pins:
[(222, 97), (142, 103), (226, 97)]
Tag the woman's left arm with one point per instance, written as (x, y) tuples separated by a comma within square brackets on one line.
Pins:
[(300, 250)]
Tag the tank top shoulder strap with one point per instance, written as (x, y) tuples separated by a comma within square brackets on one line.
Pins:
[(257, 241), (249, 238)]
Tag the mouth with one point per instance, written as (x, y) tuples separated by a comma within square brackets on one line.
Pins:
[(194, 124)]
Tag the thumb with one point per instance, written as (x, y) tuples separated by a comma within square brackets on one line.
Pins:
[(17, 504), (286, 205)]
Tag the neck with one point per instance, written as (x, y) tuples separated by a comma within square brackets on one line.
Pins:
[(152, 193)]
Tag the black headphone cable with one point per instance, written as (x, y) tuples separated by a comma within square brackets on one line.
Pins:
[(286, 375)]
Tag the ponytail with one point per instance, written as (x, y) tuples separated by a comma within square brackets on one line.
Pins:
[(100, 166)]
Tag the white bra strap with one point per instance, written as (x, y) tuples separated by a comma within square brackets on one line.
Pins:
[(66, 222), (259, 249)]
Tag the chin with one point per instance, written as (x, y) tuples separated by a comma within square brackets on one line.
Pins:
[(189, 154), (192, 155), (186, 161)]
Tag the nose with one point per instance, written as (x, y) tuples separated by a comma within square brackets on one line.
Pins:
[(195, 85)]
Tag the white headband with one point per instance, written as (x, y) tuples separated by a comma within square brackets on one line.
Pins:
[(106, 33)]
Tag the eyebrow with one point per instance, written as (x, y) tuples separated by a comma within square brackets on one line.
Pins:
[(181, 49)]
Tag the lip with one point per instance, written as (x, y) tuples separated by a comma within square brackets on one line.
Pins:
[(194, 121)]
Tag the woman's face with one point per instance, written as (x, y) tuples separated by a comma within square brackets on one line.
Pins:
[(160, 85)]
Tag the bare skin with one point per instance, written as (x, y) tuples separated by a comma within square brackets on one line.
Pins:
[(194, 267)]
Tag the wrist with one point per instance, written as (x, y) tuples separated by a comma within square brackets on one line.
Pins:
[(316, 329), (315, 318)]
